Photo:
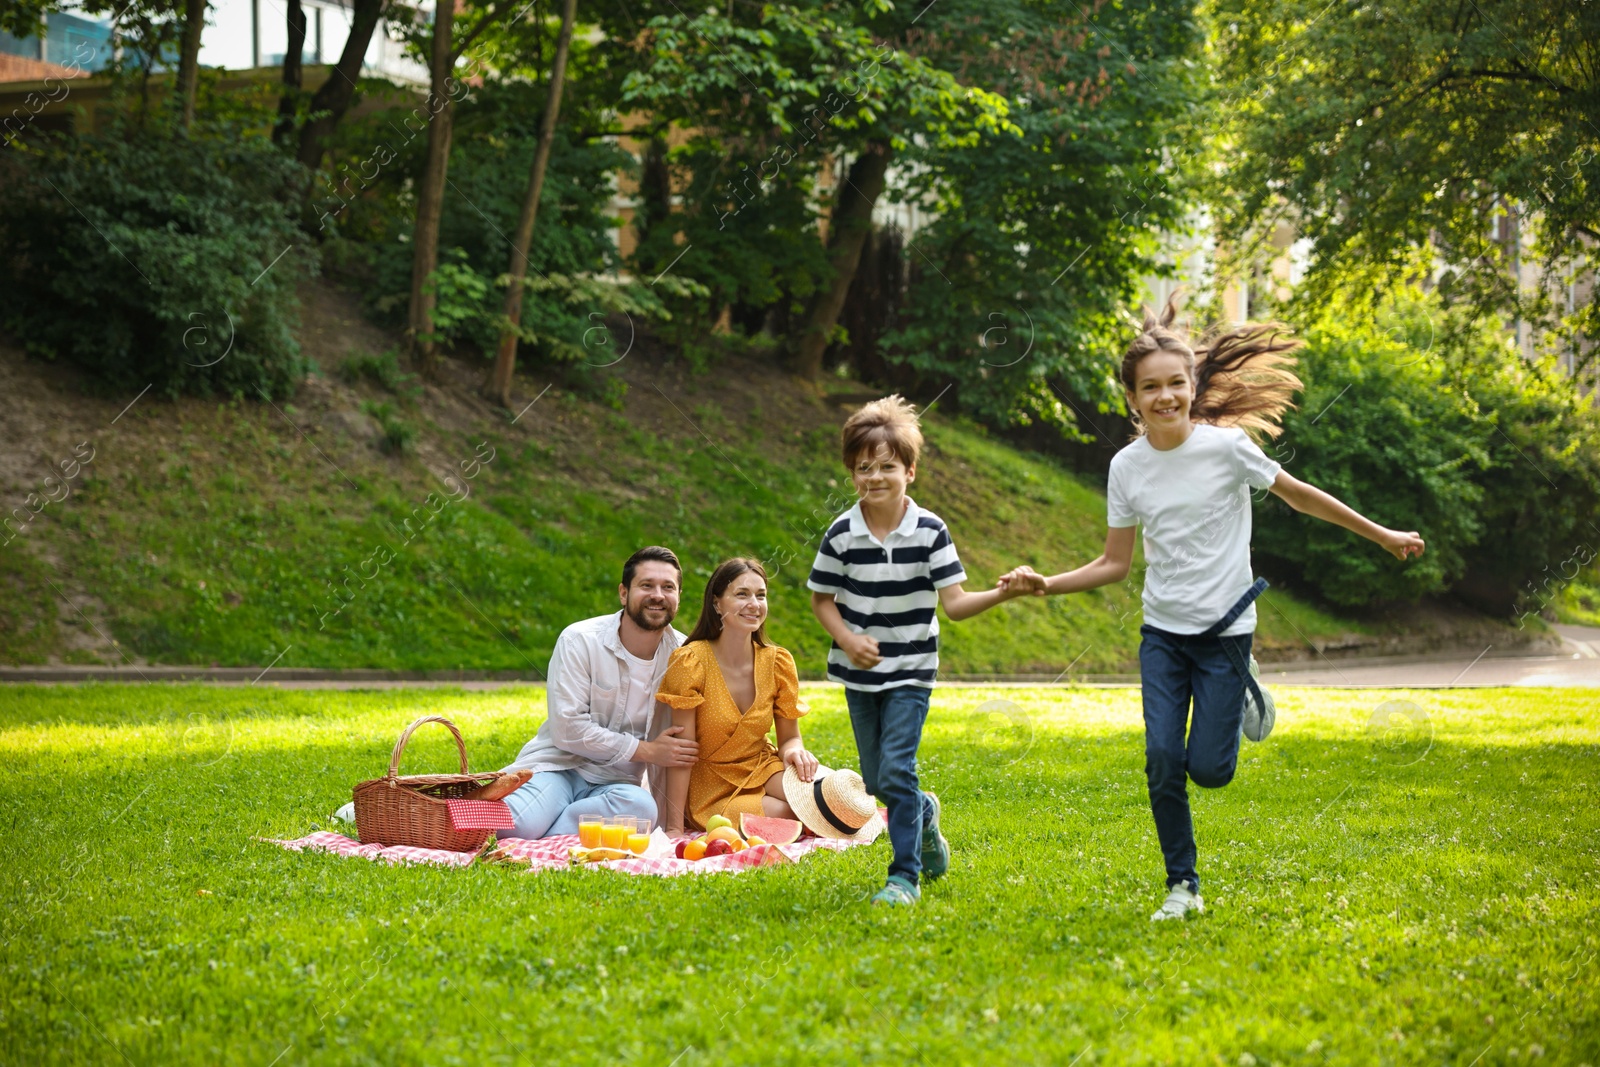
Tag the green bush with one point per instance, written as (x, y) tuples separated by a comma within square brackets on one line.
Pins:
[(380, 368), (1493, 459), (398, 435), (152, 255)]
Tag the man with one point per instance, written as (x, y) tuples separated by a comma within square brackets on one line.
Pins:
[(591, 754)]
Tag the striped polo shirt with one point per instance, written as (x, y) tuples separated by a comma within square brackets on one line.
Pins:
[(888, 590)]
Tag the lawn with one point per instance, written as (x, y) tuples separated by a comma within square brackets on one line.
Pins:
[(1425, 893)]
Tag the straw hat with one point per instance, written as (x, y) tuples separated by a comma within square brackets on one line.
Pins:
[(834, 804)]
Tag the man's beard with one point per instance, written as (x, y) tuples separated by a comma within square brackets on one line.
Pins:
[(636, 612)]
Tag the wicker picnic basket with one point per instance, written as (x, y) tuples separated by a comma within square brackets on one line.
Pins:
[(411, 810)]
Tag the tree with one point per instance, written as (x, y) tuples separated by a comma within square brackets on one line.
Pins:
[(499, 386), (288, 102), (194, 22), (444, 51), (803, 83), (334, 96), (1039, 244), (1406, 133)]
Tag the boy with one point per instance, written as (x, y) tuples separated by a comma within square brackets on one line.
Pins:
[(882, 569)]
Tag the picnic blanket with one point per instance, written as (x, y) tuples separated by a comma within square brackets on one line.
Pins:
[(551, 852), (327, 841)]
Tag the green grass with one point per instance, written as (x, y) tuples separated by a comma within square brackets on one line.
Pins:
[(1426, 895), (213, 533)]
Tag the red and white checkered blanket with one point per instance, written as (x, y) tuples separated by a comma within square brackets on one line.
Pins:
[(551, 852), (324, 841)]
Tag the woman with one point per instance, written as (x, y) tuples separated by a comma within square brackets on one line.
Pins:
[(727, 687)]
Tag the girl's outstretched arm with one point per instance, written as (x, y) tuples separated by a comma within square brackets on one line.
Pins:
[(1310, 500), (1111, 566)]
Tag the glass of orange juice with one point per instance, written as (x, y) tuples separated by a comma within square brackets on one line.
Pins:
[(639, 839), (589, 830), (614, 832)]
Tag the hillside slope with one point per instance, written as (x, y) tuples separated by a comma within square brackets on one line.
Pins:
[(241, 533)]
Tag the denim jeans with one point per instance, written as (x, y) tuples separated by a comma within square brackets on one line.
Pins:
[(552, 801), (1172, 669), (888, 729)]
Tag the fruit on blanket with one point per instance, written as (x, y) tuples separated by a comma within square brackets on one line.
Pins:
[(682, 845), (724, 833), (754, 841), (718, 847), (596, 855), (717, 821), (739, 845), (772, 831), (694, 849)]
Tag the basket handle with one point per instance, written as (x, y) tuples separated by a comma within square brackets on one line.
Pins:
[(400, 745)]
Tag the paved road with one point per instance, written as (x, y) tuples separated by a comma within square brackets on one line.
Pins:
[(1578, 664)]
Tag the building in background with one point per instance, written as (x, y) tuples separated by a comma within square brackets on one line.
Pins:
[(239, 35)]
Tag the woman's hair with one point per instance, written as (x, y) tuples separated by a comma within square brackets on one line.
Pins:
[(890, 421), (1242, 377), (709, 628)]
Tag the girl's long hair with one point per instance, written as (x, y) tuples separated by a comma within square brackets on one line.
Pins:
[(709, 626), (1242, 377)]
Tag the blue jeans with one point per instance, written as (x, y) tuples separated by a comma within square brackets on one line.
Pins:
[(1172, 669), (888, 729), (552, 801)]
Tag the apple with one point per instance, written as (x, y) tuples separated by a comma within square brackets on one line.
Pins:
[(681, 846), (718, 848), (718, 820)]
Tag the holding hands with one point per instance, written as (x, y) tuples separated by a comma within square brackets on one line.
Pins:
[(1022, 581)]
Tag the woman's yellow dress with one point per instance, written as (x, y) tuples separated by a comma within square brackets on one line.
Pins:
[(736, 759)]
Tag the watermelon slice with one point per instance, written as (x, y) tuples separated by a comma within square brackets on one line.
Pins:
[(772, 831)]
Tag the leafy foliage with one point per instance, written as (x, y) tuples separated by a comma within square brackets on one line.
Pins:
[(1389, 132), (1039, 241), (1495, 461), (150, 255)]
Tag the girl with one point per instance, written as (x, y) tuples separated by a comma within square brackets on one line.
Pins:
[(1187, 479), (727, 687)]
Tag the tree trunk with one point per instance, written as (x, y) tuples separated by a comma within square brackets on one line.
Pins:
[(334, 97), (847, 232), (505, 360), (655, 188), (430, 192), (289, 101), (194, 23)]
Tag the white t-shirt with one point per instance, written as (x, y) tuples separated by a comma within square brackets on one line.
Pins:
[(641, 692), (1194, 504)]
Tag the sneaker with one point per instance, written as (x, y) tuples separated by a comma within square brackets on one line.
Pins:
[(897, 890), (1181, 900), (1258, 720), (935, 849), (346, 813)]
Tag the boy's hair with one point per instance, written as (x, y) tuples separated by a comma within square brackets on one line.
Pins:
[(654, 553), (890, 421), (1242, 377)]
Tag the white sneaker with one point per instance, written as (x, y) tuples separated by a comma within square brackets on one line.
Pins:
[(1257, 720), (1181, 900), (346, 813)]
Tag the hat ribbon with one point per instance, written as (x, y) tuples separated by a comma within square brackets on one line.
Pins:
[(827, 812)]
